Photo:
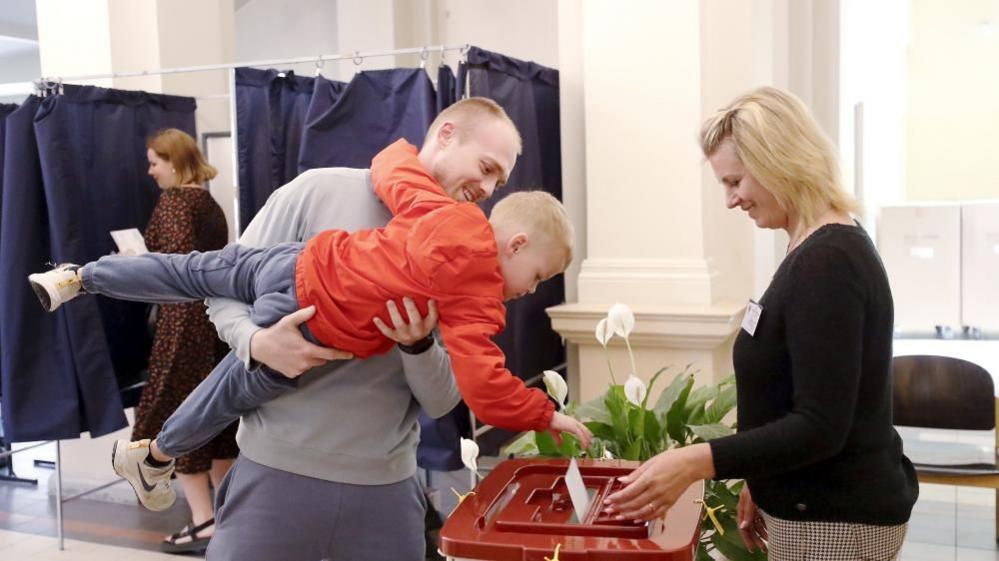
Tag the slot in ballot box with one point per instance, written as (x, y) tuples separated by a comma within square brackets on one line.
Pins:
[(522, 510)]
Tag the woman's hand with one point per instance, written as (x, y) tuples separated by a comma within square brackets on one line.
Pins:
[(408, 332), (657, 484), (283, 348), (752, 528)]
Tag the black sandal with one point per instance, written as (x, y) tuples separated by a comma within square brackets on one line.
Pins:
[(170, 544)]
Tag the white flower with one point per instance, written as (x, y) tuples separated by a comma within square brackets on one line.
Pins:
[(634, 390), (604, 332), (621, 320), (470, 454), (555, 384), (608, 455)]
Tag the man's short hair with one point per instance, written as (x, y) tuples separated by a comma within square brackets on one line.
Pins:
[(542, 217), (466, 113)]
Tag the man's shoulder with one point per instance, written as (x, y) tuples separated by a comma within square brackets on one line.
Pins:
[(340, 198), (326, 181)]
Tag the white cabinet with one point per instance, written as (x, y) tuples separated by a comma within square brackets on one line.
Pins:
[(980, 265), (921, 249)]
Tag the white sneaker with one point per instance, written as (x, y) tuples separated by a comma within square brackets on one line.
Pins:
[(56, 287), (151, 485)]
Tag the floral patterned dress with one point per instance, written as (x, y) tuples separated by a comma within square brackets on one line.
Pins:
[(186, 347)]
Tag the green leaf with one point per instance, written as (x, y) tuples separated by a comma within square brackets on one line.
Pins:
[(675, 417), (596, 410), (525, 445), (699, 397), (670, 394), (636, 423), (616, 404), (569, 447), (546, 444), (710, 432), (652, 382), (600, 430), (634, 450), (721, 406), (702, 554), (719, 492), (653, 433)]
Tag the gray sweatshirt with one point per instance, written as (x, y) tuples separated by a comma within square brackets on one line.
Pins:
[(355, 423)]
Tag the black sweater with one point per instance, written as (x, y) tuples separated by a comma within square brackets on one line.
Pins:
[(815, 439)]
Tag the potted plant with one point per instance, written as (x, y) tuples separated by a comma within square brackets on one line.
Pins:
[(626, 426)]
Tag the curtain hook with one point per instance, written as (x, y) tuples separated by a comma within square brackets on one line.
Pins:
[(424, 53), (443, 55), (319, 65), (358, 59), (464, 52)]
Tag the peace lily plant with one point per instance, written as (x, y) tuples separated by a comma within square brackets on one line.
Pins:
[(625, 425)]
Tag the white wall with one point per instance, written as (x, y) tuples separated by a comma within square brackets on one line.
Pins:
[(272, 29), (953, 100), (875, 38), (525, 29)]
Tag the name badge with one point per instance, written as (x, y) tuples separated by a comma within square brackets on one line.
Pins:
[(752, 317)]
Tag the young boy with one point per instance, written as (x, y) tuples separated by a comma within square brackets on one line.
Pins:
[(433, 248)]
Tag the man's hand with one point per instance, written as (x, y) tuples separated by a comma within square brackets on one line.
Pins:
[(408, 332), (283, 348)]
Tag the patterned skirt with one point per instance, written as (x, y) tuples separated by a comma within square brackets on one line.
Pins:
[(794, 540)]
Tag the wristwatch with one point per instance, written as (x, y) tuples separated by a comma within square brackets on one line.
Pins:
[(417, 347)]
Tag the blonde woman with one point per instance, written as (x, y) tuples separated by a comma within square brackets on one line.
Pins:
[(185, 347), (826, 477)]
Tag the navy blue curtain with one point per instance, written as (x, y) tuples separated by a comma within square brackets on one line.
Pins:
[(5, 109), (529, 93), (75, 168), (270, 114), (375, 109)]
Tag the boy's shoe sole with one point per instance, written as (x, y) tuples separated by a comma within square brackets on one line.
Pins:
[(150, 495)]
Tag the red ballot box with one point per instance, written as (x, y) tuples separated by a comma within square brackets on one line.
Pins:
[(522, 510)]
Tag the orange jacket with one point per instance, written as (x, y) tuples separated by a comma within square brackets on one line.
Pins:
[(433, 248)]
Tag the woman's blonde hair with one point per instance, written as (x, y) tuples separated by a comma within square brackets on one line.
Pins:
[(782, 146), (541, 215), (179, 149)]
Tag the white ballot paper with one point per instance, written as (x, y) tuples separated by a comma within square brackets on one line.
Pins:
[(577, 490), (129, 241)]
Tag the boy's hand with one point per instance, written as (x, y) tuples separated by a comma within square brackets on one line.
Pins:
[(566, 423), (416, 328)]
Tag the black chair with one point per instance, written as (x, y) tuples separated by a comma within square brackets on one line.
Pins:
[(941, 392)]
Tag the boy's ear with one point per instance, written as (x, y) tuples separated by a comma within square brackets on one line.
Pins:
[(517, 242), (446, 133)]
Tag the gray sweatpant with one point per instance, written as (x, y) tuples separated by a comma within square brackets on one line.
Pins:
[(263, 514), (262, 277)]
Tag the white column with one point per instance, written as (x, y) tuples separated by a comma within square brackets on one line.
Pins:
[(658, 236)]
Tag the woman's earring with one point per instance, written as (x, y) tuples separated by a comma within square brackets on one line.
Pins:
[(173, 170)]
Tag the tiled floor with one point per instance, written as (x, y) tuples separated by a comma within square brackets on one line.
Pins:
[(93, 529), (948, 524)]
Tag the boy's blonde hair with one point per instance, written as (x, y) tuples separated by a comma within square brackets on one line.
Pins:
[(782, 146), (542, 217), (467, 113)]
